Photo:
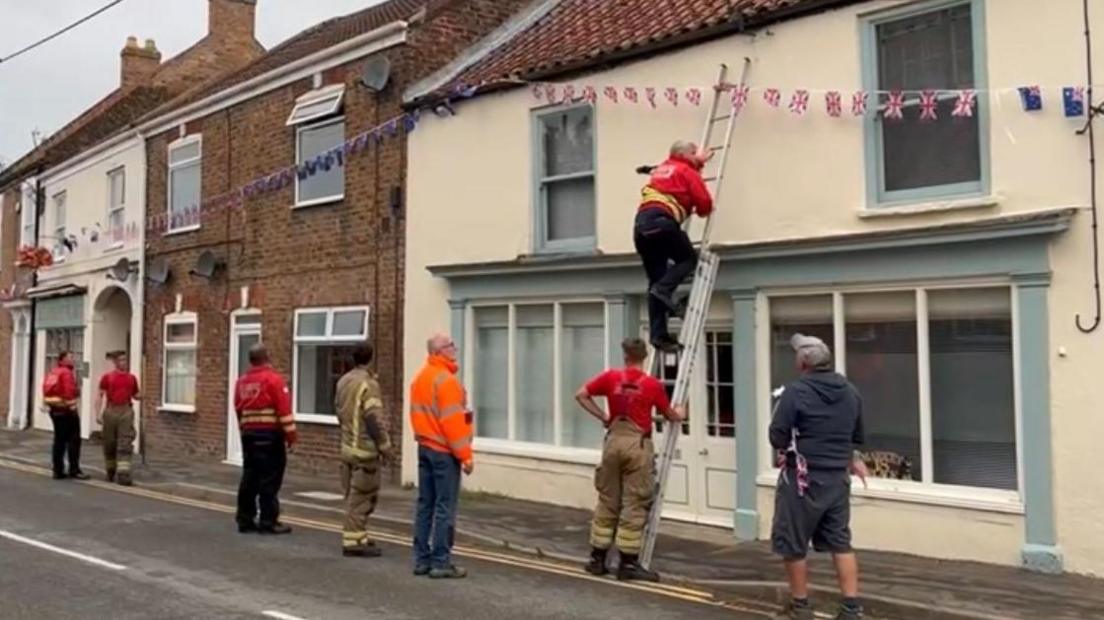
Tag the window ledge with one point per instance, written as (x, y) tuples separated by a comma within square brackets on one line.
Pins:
[(176, 409), (972, 498), (181, 231), (118, 245), (504, 447), (939, 206), (317, 202), (316, 418)]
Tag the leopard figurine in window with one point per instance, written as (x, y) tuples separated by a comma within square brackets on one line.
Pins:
[(885, 464)]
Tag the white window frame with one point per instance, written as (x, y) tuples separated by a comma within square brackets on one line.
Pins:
[(541, 182), (511, 446), (925, 491), (59, 219), (28, 206), (113, 208), (327, 338), (334, 95), (304, 127), (181, 318), (196, 139)]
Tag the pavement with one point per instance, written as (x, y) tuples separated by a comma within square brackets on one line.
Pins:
[(697, 561)]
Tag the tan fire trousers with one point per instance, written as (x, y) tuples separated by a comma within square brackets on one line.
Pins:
[(626, 484), (118, 438), (361, 483)]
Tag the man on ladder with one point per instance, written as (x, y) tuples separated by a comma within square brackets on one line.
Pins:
[(675, 191)]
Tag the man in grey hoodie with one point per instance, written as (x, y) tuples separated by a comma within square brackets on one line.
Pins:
[(817, 422)]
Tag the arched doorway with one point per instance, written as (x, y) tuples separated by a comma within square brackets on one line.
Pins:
[(111, 332)]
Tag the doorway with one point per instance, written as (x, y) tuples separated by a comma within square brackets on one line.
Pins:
[(245, 331)]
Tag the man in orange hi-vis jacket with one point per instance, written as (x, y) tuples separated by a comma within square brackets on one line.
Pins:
[(442, 426)]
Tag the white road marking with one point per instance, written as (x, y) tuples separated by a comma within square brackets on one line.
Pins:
[(281, 615), (59, 550), (321, 495)]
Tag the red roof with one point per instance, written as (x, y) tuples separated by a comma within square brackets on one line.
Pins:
[(578, 34)]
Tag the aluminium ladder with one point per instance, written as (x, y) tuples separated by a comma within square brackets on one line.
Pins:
[(701, 291)]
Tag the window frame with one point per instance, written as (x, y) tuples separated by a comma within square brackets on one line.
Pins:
[(541, 242), (877, 197), (300, 129), (181, 318), (112, 208), (28, 213), (924, 491), (196, 139), (59, 221), (336, 93), (326, 338), (510, 445)]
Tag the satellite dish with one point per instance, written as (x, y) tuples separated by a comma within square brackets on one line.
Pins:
[(206, 265), (376, 73), (121, 270), (157, 270)]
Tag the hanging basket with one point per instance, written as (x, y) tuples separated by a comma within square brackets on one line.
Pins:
[(33, 257)]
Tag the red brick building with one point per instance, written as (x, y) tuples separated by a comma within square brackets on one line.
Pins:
[(312, 267)]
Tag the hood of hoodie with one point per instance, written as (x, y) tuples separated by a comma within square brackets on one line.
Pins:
[(830, 387)]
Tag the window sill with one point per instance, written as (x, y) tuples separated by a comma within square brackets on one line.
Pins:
[(505, 447), (316, 418), (176, 409), (317, 202), (945, 496), (118, 245), (181, 231), (938, 206)]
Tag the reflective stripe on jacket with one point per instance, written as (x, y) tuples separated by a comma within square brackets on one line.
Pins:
[(677, 186), (359, 409), (262, 402), (60, 389), (439, 412)]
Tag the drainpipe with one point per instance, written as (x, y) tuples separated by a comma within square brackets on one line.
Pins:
[(139, 310), (32, 335)]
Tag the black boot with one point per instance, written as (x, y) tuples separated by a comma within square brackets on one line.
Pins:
[(597, 564), (631, 570)]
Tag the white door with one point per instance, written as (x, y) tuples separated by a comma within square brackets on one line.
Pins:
[(245, 331), (17, 401)]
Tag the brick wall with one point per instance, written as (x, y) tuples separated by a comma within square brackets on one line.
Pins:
[(9, 239), (346, 253)]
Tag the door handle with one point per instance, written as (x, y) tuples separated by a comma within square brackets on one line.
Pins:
[(703, 452)]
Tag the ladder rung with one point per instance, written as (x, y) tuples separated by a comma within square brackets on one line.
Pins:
[(719, 147), (717, 119), (708, 179)]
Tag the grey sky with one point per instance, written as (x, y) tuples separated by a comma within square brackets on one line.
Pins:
[(50, 85)]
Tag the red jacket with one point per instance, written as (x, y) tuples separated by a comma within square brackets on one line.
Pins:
[(677, 186), (263, 405), (60, 389)]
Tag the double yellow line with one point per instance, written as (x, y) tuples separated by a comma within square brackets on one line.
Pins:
[(661, 589)]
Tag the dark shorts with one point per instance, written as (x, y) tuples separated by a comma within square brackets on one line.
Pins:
[(822, 516)]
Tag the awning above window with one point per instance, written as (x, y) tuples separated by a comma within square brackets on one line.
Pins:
[(317, 104)]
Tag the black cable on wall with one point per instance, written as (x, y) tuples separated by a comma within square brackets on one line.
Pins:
[(1093, 112)]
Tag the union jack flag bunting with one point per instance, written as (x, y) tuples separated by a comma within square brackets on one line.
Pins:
[(859, 102), (550, 93), (650, 95), (927, 106), (773, 97), (740, 97), (1032, 97), (590, 94), (964, 106), (538, 92), (1073, 98), (611, 93), (799, 104), (895, 106), (568, 93), (833, 101), (631, 94), (672, 94), (694, 96)]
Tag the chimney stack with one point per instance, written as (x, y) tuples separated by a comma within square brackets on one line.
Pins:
[(232, 19), (138, 63)]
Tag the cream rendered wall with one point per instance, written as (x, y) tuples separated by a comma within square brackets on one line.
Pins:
[(799, 177)]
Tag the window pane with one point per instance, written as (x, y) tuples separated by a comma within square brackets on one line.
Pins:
[(810, 315), (185, 152), (117, 183), (181, 333), (972, 388), (320, 366), (570, 206), (933, 50), (325, 183), (491, 372), (882, 363), (349, 323), (533, 371), (582, 355), (116, 225), (184, 183), (322, 106), (720, 384), (180, 373), (311, 324), (567, 141)]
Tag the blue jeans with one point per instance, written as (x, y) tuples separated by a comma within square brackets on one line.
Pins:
[(435, 521)]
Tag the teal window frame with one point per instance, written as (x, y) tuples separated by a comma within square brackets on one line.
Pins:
[(877, 195), (541, 242)]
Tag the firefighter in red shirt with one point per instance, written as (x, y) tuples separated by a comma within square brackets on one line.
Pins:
[(674, 192), (115, 413), (60, 394), (625, 478), (267, 433)]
